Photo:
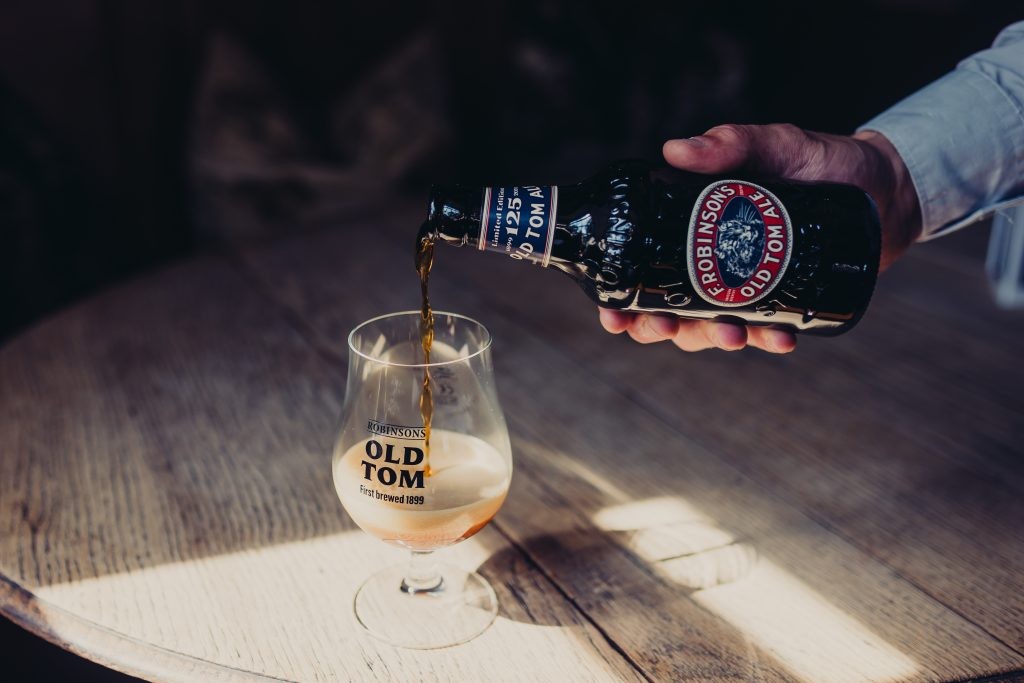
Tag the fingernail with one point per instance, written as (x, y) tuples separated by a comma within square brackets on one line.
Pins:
[(689, 142)]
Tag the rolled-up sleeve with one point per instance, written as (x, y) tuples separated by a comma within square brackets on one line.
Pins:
[(962, 137)]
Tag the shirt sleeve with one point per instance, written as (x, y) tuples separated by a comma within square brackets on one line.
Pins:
[(962, 137)]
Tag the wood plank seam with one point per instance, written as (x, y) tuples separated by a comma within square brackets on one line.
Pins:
[(294, 318), (572, 601), (1014, 676)]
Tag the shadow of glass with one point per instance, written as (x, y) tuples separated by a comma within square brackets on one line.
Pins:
[(513, 576), (766, 572), (799, 626)]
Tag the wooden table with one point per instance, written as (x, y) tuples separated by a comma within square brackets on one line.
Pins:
[(850, 512)]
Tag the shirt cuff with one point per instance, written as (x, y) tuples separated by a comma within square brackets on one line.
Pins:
[(962, 140)]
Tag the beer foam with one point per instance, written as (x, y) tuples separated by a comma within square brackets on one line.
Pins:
[(393, 501)]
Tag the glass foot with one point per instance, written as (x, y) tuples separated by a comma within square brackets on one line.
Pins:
[(453, 610)]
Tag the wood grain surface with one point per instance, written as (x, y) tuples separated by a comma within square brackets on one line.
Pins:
[(850, 512), (167, 505)]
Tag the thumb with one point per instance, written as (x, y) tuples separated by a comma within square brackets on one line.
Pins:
[(779, 150)]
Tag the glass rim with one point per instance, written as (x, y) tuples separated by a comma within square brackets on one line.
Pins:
[(484, 346)]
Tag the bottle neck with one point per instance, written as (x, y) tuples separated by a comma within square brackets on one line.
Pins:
[(515, 220), (454, 214)]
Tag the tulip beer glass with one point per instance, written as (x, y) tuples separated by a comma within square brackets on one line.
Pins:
[(422, 486)]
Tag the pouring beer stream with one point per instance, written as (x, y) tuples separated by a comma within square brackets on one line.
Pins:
[(424, 260)]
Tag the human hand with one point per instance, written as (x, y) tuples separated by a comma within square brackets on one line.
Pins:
[(867, 160)]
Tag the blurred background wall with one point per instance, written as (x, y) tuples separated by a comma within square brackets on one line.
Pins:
[(134, 132)]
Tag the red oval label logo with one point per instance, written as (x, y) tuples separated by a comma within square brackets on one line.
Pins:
[(739, 243)]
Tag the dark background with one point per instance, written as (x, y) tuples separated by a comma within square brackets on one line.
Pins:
[(133, 133)]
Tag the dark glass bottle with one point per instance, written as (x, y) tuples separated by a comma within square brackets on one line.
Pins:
[(803, 256)]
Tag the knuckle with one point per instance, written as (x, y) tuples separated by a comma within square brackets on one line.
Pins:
[(789, 131), (729, 133), (689, 337), (799, 153)]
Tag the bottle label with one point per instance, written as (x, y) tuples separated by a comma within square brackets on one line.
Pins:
[(739, 243), (519, 221)]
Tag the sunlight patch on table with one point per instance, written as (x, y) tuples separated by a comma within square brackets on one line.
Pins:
[(219, 609), (646, 513), (574, 467), (815, 640), (798, 625)]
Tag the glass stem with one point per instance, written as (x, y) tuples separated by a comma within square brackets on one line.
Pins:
[(423, 575)]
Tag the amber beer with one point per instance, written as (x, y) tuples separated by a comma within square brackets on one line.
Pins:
[(801, 256), (382, 485), (424, 260)]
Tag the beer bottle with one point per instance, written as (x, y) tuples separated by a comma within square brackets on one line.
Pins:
[(801, 256)]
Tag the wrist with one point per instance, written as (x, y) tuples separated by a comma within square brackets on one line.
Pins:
[(893, 189)]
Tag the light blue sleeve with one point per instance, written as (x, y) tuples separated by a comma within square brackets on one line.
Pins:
[(962, 137)]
